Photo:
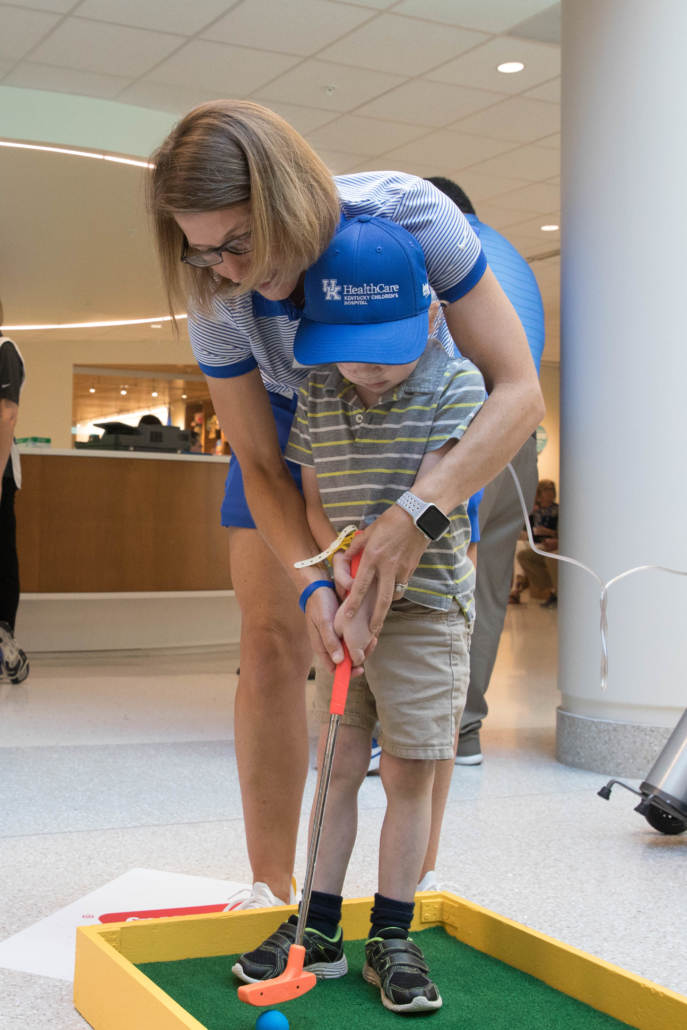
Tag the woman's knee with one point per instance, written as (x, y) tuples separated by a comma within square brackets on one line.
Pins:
[(273, 644)]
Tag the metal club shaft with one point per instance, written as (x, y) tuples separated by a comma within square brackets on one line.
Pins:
[(318, 820)]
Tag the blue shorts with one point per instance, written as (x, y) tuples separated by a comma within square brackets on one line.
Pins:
[(235, 510)]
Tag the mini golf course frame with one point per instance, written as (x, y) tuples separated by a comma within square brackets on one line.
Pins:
[(112, 994)]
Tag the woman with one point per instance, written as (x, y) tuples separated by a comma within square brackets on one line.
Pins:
[(247, 206), (541, 572)]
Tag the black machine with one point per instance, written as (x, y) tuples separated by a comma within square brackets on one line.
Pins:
[(664, 791), (119, 436)]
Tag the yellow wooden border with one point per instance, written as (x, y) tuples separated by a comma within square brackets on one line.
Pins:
[(112, 994)]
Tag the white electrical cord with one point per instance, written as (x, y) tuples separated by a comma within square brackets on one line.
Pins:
[(603, 598)]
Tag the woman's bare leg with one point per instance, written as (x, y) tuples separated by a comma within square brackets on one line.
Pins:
[(270, 718)]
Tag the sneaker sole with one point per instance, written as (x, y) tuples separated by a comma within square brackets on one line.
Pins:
[(418, 1004), (469, 759), (322, 970)]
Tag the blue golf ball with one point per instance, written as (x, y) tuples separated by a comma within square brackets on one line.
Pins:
[(272, 1020)]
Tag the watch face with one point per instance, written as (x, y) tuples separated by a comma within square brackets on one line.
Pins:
[(433, 522)]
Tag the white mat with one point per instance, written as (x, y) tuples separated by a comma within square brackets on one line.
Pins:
[(47, 948)]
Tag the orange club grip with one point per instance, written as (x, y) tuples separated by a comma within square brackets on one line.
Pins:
[(342, 676)]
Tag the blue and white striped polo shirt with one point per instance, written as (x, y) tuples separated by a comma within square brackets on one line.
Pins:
[(251, 332)]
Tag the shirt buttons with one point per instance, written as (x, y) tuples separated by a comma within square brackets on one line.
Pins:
[(359, 418)]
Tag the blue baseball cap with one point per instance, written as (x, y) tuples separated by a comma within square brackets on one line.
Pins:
[(366, 298)]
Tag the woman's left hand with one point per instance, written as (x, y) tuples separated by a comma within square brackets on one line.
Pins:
[(392, 546)]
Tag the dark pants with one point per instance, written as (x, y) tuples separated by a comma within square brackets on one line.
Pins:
[(501, 521), (9, 563)]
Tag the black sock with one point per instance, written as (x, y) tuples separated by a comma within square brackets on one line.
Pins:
[(388, 912), (325, 912)]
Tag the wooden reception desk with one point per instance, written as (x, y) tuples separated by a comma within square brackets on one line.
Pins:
[(94, 522)]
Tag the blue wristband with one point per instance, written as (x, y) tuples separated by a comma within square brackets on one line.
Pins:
[(310, 589)]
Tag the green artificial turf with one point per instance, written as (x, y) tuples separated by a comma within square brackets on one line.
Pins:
[(479, 993)]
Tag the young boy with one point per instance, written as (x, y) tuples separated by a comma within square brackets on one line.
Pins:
[(387, 406)]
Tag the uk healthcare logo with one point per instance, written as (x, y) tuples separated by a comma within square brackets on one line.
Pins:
[(331, 290)]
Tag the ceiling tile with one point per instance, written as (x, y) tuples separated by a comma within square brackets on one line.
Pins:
[(539, 196), (498, 217), (429, 103), (544, 27), (303, 119), (20, 30), (404, 45), (65, 80), (551, 141), (95, 47), (527, 246), (307, 84), (451, 149), (550, 91), (163, 97), (164, 15), (378, 5), (478, 67), (6, 65), (338, 162), (365, 135), (532, 227), (410, 167), (516, 119), (531, 162), (488, 15), (59, 6), (231, 70), (485, 187), (309, 25)]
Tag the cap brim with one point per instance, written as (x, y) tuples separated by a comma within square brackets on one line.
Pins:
[(378, 343)]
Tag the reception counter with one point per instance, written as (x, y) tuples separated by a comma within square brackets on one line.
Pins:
[(123, 550)]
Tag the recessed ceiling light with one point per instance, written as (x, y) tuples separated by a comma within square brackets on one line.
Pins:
[(509, 67), (156, 325), (183, 396), (549, 228), (91, 390), (154, 393), (123, 393)]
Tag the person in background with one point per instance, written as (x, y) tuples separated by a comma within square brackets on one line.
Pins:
[(15, 666), (500, 515), (543, 572)]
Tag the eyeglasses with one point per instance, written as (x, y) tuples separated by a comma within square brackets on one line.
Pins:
[(207, 258)]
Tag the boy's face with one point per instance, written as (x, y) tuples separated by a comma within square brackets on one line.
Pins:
[(375, 378)]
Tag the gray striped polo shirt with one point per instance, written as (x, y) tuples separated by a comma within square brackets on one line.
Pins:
[(365, 459)]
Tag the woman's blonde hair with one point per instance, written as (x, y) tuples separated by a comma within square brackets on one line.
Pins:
[(544, 484), (229, 152)]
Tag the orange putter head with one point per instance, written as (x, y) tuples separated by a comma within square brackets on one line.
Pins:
[(293, 982)]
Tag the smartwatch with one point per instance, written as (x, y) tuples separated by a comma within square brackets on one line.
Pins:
[(429, 519)]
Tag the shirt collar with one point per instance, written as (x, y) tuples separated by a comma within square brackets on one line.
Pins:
[(425, 378)]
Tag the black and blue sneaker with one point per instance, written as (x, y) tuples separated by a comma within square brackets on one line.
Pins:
[(324, 956), (397, 966), (15, 664)]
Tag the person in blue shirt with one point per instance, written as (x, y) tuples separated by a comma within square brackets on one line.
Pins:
[(241, 206), (500, 515)]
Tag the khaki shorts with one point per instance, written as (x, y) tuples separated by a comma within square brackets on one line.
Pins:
[(415, 682)]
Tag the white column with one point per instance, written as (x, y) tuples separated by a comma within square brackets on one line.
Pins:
[(623, 376)]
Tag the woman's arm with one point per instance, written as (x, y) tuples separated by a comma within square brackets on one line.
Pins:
[(488, 332), (244, 412)]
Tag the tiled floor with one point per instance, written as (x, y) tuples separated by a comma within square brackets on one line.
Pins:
[(128, 761)]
